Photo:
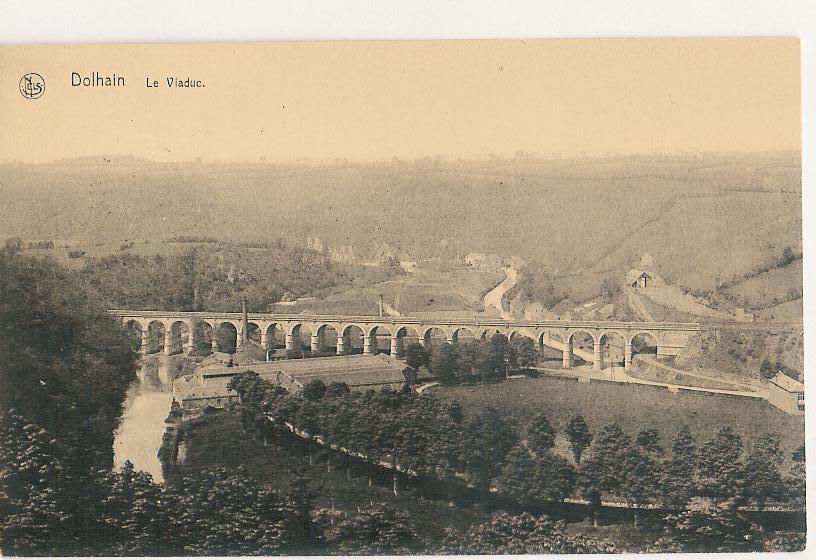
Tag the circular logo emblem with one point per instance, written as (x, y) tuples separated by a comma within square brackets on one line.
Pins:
[(32, 85)]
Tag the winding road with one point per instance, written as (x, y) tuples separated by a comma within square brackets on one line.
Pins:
[(495, 297)]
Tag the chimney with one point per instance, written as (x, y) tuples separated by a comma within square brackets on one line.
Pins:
[(381, 305), (244, 321)]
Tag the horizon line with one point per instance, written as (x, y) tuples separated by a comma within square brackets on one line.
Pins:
[(520, 155)]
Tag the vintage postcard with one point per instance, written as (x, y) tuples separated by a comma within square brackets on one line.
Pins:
[(388, 298)]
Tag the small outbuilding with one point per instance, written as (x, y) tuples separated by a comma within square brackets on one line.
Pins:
[(637, 278)]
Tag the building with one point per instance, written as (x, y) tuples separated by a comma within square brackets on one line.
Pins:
[(637, 278), (787, 394)]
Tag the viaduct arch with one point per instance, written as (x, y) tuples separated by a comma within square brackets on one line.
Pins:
[(181, 331)]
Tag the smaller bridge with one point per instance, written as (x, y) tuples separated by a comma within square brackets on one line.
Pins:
[(180, 331)]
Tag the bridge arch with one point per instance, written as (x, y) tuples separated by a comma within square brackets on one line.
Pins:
[(226, 337), (275, 335), (643, 342), (523, 332), (203, 336), (653, 335), (434, 335), (406, 336), (487, 333), (613, 347), (327, 336), (134, 331), (354, 336), (589, 334), (181, 335), (254, 332), (465, 334), (156, 336), (379, 339)]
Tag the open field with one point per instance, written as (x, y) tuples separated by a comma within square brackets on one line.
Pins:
[(634, 407)]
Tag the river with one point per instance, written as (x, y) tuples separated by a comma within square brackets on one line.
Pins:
[(141, 428)]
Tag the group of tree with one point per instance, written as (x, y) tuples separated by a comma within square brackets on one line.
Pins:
[(429, 435), (66, 368), (216, 276), (66, 365), (535, 283), (46, 510), (468, 361), (412, 433)]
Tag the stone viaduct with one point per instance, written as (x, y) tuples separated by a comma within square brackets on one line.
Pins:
[(172, 332)]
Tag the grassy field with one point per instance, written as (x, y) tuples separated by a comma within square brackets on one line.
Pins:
[(634, 407)]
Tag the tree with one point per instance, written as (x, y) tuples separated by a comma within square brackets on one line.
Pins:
[(525, 352), (226, 512), (374, 532), (795, 480), (677, 481), (533, 478), (487, 437), (610, 287), (314, 390), (763, 482), (579, 436), (608, 455), (720, 465), (649, 440), (705, 526), (336, 389), (415, 355), (499, 355), (37, 514), (466, 357), (540, 434), (521, 534), (767, 369), (137, 512), (442, 363), (639, 478)]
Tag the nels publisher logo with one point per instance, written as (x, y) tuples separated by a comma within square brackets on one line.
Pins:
[(32, 85)]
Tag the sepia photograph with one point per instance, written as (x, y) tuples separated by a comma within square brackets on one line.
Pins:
[(428, 297)]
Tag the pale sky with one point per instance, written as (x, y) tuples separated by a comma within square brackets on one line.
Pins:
[(377, 100)]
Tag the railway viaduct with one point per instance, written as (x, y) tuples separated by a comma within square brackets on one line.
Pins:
[(173, 332)]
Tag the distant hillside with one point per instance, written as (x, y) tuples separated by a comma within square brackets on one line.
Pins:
[(704, 219)]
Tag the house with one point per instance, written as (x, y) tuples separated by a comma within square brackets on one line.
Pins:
[(637, 278), (787, 394)]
